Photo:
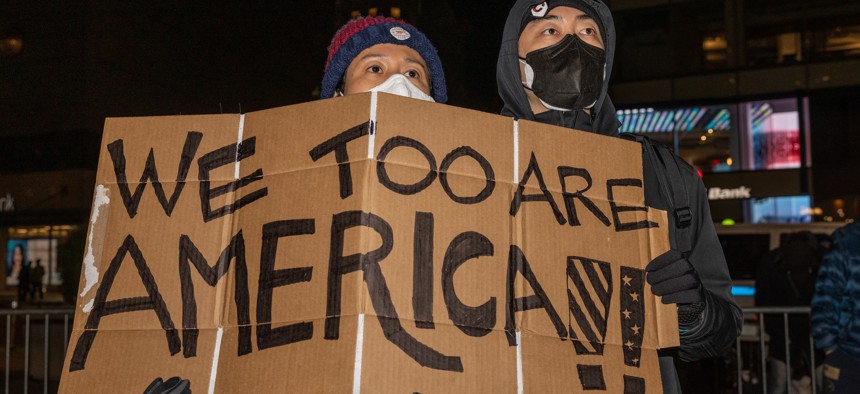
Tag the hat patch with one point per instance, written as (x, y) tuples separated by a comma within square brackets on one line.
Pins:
[(539, 10), (400, 33)]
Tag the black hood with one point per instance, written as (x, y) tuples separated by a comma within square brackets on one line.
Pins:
[(604, 119)]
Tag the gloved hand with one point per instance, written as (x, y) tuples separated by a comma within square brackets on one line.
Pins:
[(174, 385), (672, 277)]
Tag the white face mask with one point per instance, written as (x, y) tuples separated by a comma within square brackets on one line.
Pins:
[(400, 85)]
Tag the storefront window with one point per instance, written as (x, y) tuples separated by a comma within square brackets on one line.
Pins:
[(772, 133), (659, 125), (29, 247), (705, 136), (790, 209), (708, 142), (844, 209), (757, 135)]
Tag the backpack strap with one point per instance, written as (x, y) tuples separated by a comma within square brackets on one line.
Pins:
[(670, 178)]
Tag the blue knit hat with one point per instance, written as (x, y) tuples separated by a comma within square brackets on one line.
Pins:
[(361, 33)]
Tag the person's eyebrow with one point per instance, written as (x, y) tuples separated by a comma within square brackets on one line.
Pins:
[(546, 18), (373, 55), (418, 62)]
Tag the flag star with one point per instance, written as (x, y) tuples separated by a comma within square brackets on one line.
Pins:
[(635, 296), (626, 280), (629, 345), (635, 329), (635, 361), (626, 314)]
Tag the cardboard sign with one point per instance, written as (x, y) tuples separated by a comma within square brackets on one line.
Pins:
[(368, 243)]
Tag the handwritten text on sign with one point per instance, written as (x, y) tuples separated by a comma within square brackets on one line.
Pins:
[(556, 196)]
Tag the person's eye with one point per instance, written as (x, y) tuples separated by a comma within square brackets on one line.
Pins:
[(375, 69), (412, 74), (549, 32), (588, 31)]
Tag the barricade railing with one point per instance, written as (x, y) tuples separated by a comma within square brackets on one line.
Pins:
[(19, 330), (20, 326), (759, 336)]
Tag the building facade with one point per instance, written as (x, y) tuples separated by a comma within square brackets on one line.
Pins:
[(758, 95)]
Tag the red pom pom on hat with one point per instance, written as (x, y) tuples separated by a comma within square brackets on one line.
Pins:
[(351, 28)]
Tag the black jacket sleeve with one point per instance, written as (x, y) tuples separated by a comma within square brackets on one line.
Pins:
[(722, 319)]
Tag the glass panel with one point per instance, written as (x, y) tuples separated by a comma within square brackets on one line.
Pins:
[(679, 39), (659, 125), (773, 32), (767, 47), (706, 136), (715, 52), (27, 247), (773, 134), (843, 209), (709, 140), (836, 42), (25, 255), (792, 209)]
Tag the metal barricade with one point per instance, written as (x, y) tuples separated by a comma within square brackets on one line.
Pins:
[(20, 329), (21, 324), (759, 336)]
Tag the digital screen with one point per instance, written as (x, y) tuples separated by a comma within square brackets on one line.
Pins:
[(24, 255), (743, 291)]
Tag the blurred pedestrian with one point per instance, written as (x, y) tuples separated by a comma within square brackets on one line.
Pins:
[(785, 277), (836, 312), (37, 275), (386, 55), (24, 282)]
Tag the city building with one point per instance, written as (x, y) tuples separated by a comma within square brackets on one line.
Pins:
[(758, 95)]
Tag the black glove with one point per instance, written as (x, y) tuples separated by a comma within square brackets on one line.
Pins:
[(173, 385), (672, 277)]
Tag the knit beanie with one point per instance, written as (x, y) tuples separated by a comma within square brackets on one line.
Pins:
[(361, 33)]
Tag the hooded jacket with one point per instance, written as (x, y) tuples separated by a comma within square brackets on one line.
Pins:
[(516, 103), (836, 303), (721, 319)]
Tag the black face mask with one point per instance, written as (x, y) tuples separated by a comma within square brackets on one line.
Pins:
[(566, 76)]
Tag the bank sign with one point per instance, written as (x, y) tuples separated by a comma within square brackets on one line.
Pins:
[(738, 193)]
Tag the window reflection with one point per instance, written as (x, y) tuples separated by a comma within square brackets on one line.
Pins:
[(836, 42), (789, 209), (755, 135), (773, 134), (715, 51), (703, 136)]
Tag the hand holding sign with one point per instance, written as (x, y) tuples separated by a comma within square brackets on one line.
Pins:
[(672, 277)]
